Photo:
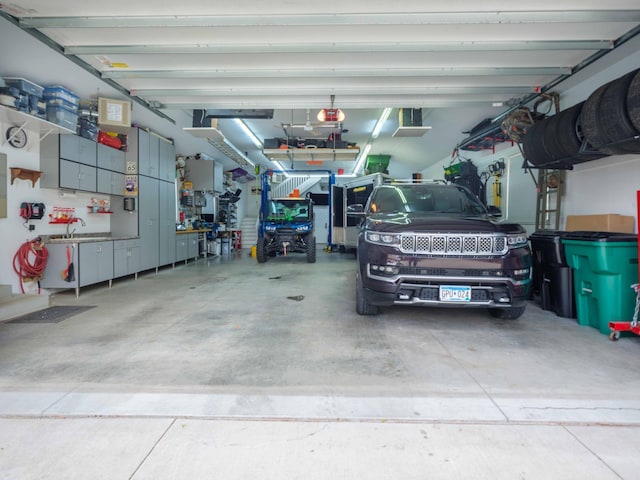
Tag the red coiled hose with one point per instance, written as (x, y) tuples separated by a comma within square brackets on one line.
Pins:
[(30, 261)]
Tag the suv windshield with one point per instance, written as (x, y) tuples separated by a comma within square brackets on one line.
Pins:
[(288, 210), (425, 198)]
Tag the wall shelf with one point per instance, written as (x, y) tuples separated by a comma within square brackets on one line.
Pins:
[(311, 154), (25, 174), (23, 120)]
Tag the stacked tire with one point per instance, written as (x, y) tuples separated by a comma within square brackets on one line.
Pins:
[(611, 116), (555, 142), (606, 123)]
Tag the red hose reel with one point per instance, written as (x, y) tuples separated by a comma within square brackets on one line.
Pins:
[(30, 261)]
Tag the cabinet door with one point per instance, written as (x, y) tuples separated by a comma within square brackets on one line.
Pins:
[(192, 247), (88, 151), (154, 156), (87, 268), (143, 152), (148, 218), (69, 175), (167, 234), (104, 181), (133, 259), (167, 167), (69, 147), (88, 178), (120, 268), (111, 159), (181, 247), (105, 260)]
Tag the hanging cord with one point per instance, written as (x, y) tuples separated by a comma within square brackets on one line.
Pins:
[(30, 261)]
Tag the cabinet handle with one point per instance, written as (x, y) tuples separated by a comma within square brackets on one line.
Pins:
[(586, 290)]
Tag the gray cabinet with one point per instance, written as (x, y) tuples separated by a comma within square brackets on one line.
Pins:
[(148, 153), (110, 183), (75, 176), (192, 245), (186, 246), (167, 223), (167, 161), (148, 222), (126, 257), (68, 161), (95, 262), (110, 159), (75, 148), (182, 248)]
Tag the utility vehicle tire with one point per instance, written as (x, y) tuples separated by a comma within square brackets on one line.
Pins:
[(613, 119), (363, 307), (311, 250), (633, 101), (591, 123), (261, 252), (507, 313)]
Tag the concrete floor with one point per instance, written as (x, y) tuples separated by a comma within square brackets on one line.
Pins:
[(225, 368)]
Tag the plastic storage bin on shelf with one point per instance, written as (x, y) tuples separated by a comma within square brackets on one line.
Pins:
[(552, 276), (62, 116), (604, 265), (60, 96), (25, 86)]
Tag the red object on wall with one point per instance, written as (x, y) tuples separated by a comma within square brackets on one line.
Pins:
[(108, 140)]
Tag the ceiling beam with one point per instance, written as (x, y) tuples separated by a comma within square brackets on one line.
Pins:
[(312, 47), (347, 72), (323, 90), (390, 18), (290, 102)]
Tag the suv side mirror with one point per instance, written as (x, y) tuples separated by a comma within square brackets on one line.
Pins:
[(355, 209), (494, 211)]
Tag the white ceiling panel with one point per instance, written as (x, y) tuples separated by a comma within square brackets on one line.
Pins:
[(452, 59)]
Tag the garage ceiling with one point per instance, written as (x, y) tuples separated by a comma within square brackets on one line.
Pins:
[(456, 61)]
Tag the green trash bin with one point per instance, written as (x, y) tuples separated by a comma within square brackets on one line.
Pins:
[(604, 265)]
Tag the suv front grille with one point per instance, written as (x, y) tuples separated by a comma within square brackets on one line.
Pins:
[(453, 244)]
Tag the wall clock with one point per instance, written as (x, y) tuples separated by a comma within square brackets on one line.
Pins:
[(16, 137)]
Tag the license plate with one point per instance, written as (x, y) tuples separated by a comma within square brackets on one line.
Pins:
[(455, 293)]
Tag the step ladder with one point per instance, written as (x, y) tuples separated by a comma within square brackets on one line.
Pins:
[(550, 189)]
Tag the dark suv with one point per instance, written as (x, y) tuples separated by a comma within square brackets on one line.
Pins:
[(435, 244)]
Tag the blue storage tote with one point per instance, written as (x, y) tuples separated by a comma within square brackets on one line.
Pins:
[(61, 97), (62, 116), (605, 265), (25, 86)]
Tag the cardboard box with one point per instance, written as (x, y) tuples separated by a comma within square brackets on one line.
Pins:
[(609, 222)]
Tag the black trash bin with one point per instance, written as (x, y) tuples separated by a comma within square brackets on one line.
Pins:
[(552, 276)]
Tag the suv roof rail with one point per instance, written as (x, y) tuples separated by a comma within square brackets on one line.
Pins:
[(414, 180)]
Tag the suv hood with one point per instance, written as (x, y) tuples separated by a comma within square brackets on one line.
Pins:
[(437, 222)]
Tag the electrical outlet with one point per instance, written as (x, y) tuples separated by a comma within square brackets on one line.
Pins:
[(32, 228)]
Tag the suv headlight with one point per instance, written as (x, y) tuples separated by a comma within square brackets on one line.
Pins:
[(382, 238), (517, 241)]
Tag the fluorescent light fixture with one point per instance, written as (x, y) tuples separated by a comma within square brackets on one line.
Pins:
[(380, 123), (497, 104), (361, 158), (247, 131), (280, 167)]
